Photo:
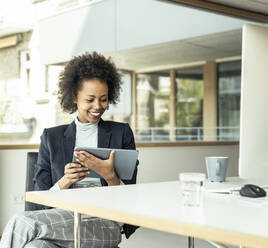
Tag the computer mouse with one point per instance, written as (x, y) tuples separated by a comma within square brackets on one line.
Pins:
[(251, 190)]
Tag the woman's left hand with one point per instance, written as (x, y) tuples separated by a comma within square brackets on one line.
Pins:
[(104, 168)]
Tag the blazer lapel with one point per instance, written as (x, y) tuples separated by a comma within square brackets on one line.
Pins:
[(104, 134), (69, 142)]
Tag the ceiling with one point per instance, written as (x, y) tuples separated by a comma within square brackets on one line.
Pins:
[(189, 51), (258, 6), (256, 10)]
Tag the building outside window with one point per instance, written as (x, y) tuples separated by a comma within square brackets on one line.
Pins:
[(153, 105), (229, 88), (189, 95), (153, 91), (121, 111)]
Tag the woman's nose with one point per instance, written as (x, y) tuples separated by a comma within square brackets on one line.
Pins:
[(97, 104)]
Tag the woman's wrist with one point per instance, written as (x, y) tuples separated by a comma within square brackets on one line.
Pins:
[(113, 180), (64, 183)]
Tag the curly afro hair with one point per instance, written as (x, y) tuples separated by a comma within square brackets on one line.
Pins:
[(84, 67)]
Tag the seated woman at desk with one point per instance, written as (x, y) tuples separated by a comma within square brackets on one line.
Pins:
[(87, 85)]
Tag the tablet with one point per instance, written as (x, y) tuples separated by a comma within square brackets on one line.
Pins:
[(124, 160)]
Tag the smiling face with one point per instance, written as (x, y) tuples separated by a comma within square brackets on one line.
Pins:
[(92, 100)]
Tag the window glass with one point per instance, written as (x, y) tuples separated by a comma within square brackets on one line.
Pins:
[(189, 94), (153, 91), (229, 87), (122, 110)]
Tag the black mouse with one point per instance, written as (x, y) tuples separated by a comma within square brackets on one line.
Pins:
[(251, 190)]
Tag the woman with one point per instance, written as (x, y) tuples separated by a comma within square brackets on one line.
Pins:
[(87, 85)]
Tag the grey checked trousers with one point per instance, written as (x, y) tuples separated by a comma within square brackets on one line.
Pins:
[(54, 228)]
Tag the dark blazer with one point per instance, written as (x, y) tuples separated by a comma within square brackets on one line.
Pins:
[(57, 146)]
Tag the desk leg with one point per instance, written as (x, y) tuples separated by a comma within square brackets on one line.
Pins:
[(190, 242), (77, 222)]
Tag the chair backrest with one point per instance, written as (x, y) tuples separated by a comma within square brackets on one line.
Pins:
[(30, 169)]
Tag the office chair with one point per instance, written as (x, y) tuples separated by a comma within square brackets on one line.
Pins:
[(29, 185), (30, 169)]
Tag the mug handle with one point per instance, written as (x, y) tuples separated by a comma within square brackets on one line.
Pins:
[(218, 165)]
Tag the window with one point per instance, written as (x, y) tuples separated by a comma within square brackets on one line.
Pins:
[(160, 119), (16, 103), (189, 95), (122, 110), (153, 91), (229, 87)]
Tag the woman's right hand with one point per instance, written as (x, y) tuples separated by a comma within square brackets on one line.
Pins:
[(73, 173)]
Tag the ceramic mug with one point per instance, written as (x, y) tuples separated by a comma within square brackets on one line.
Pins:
[(216, 168)]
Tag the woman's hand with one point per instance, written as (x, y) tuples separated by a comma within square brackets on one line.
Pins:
[(105, 168), (73, 173)]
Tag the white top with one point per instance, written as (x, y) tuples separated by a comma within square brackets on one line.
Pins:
[(86, 134), (225, 218)]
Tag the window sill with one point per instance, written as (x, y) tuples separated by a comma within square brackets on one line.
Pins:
[(200, 143), (158, 144), (19, 146)]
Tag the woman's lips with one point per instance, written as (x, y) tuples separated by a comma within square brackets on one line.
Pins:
[(95, 114)]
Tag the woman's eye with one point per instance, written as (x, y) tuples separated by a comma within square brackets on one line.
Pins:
[(104, 100), (90, 100)]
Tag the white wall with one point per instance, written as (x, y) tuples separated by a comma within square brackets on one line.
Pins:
[(74, 32), (12, 183), (114, 25), (156, 164), (165, 163), (254, 102), (145, 22)]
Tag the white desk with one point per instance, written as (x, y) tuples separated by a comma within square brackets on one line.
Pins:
[(223, 218)]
